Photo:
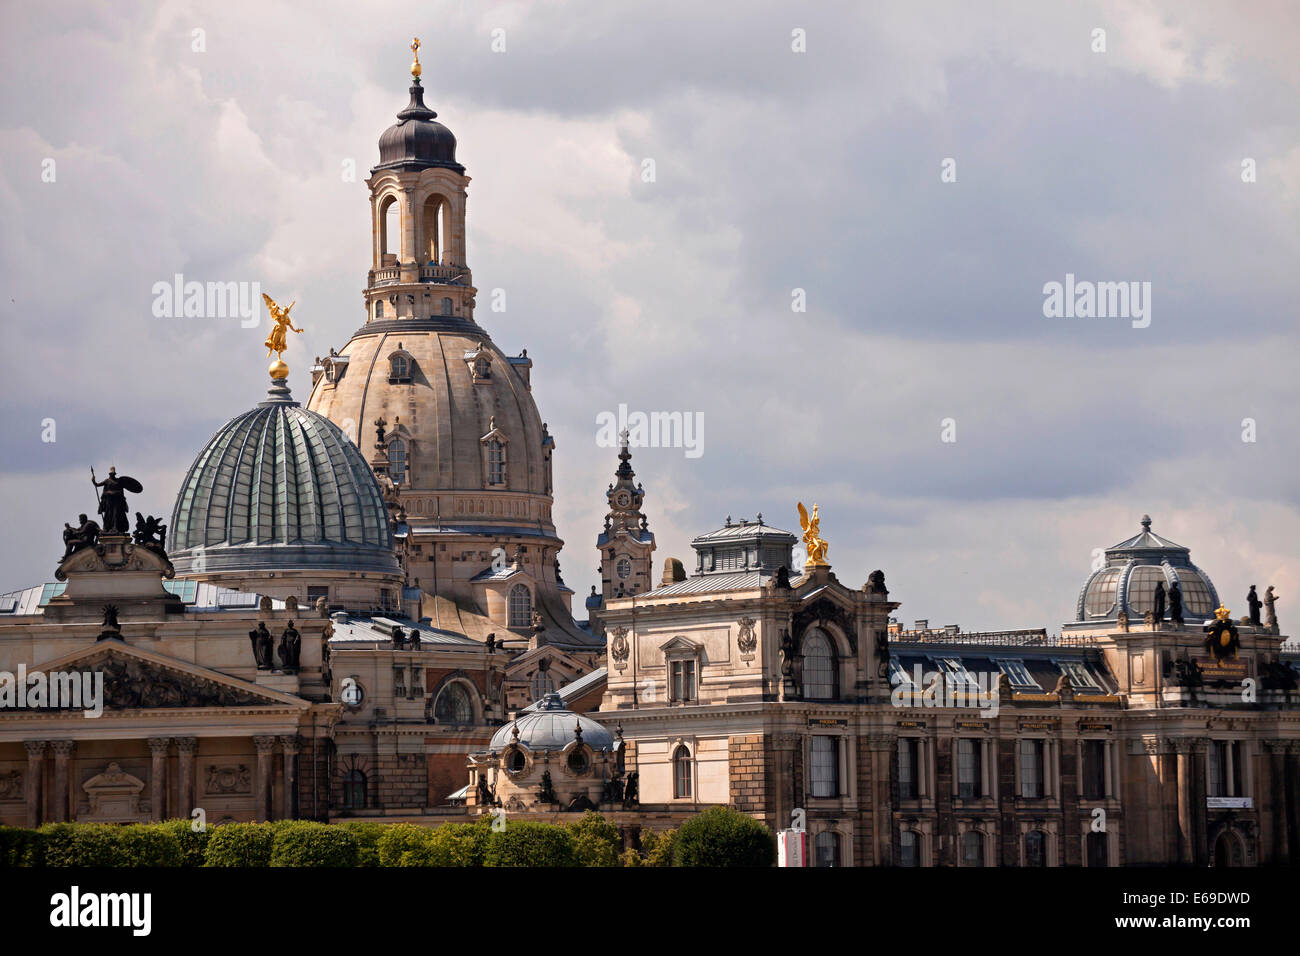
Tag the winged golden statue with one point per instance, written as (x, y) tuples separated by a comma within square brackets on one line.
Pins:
[(275, 342), (812, 541)]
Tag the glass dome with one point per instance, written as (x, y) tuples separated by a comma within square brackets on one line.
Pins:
[(1133, 569)]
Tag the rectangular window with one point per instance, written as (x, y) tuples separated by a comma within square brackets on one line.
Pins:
[(908, 750), (314, 594), (956, 672), (1094, 769), (825, 765), (970, 769), (683, 681), (1224, 769), (1031, 768)]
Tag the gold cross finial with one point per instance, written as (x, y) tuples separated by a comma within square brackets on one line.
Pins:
[(415, 51)]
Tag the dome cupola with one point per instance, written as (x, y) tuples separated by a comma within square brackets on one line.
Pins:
[(416, 141)]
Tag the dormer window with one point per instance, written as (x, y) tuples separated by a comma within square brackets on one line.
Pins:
[(496, 463), (479, 361), (520, 606), (397, 461), (399, 368)]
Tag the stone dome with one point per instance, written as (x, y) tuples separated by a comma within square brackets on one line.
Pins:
[(461, 393), (1133, 568), (416, 140), (280, 487), (551, 727)]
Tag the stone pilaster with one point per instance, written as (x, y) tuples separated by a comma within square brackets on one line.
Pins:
[(262, 781), (289, 807), (186, 747), (62, 756), (35, 771), (158, 747)]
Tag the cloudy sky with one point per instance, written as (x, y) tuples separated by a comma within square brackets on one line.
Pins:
[(219, 155)]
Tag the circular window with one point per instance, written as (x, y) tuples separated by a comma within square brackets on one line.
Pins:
[(578, 760), (517, 761)]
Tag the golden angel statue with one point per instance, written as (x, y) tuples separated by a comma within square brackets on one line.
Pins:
[(812, 541), (275, 342)]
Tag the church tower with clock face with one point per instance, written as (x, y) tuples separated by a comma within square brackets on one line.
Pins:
[(627, 543)]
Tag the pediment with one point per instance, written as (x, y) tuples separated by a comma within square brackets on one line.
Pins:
[(680, 645), (820, 607), (136, 679)]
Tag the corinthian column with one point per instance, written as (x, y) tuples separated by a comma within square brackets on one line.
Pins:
[(35, 768), (185, 750), (62, 752), (158, 747), (262, 784), (289, 805)]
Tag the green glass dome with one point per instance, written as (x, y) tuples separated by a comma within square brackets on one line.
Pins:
[(277, 488)]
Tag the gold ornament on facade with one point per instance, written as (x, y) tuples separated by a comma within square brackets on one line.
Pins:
[(415, 63), (812, 541), (277, 341)]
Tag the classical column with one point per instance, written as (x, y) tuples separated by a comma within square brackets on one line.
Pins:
[(158, 747), (881, 747), (262, 783), (289, 804), (35, 768), (186, 747), (62, 752), (1183, 748)]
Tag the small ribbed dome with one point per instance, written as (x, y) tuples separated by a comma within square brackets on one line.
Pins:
[(416, 141), (1133, 569), (280, 487), (551, 727)]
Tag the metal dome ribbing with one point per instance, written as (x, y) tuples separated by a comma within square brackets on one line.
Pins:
[(280, 487)]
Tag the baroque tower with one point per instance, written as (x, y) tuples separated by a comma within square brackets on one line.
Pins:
[(627, 543), (463, 454)]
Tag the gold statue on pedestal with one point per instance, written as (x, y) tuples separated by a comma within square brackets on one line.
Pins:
[(812, 540), (277, 340)]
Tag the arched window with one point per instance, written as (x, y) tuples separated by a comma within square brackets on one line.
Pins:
[(542, 685), (909, 848), (1035, 848), (433, 230), (826, 849), (399, 368), (446, 305), (397, 461), (390, 239), (681, 772), (496, 463), (972, 848), (453, 705), (521, 606), (818, 666), (379, 310), (518, 761), (354, 790)]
